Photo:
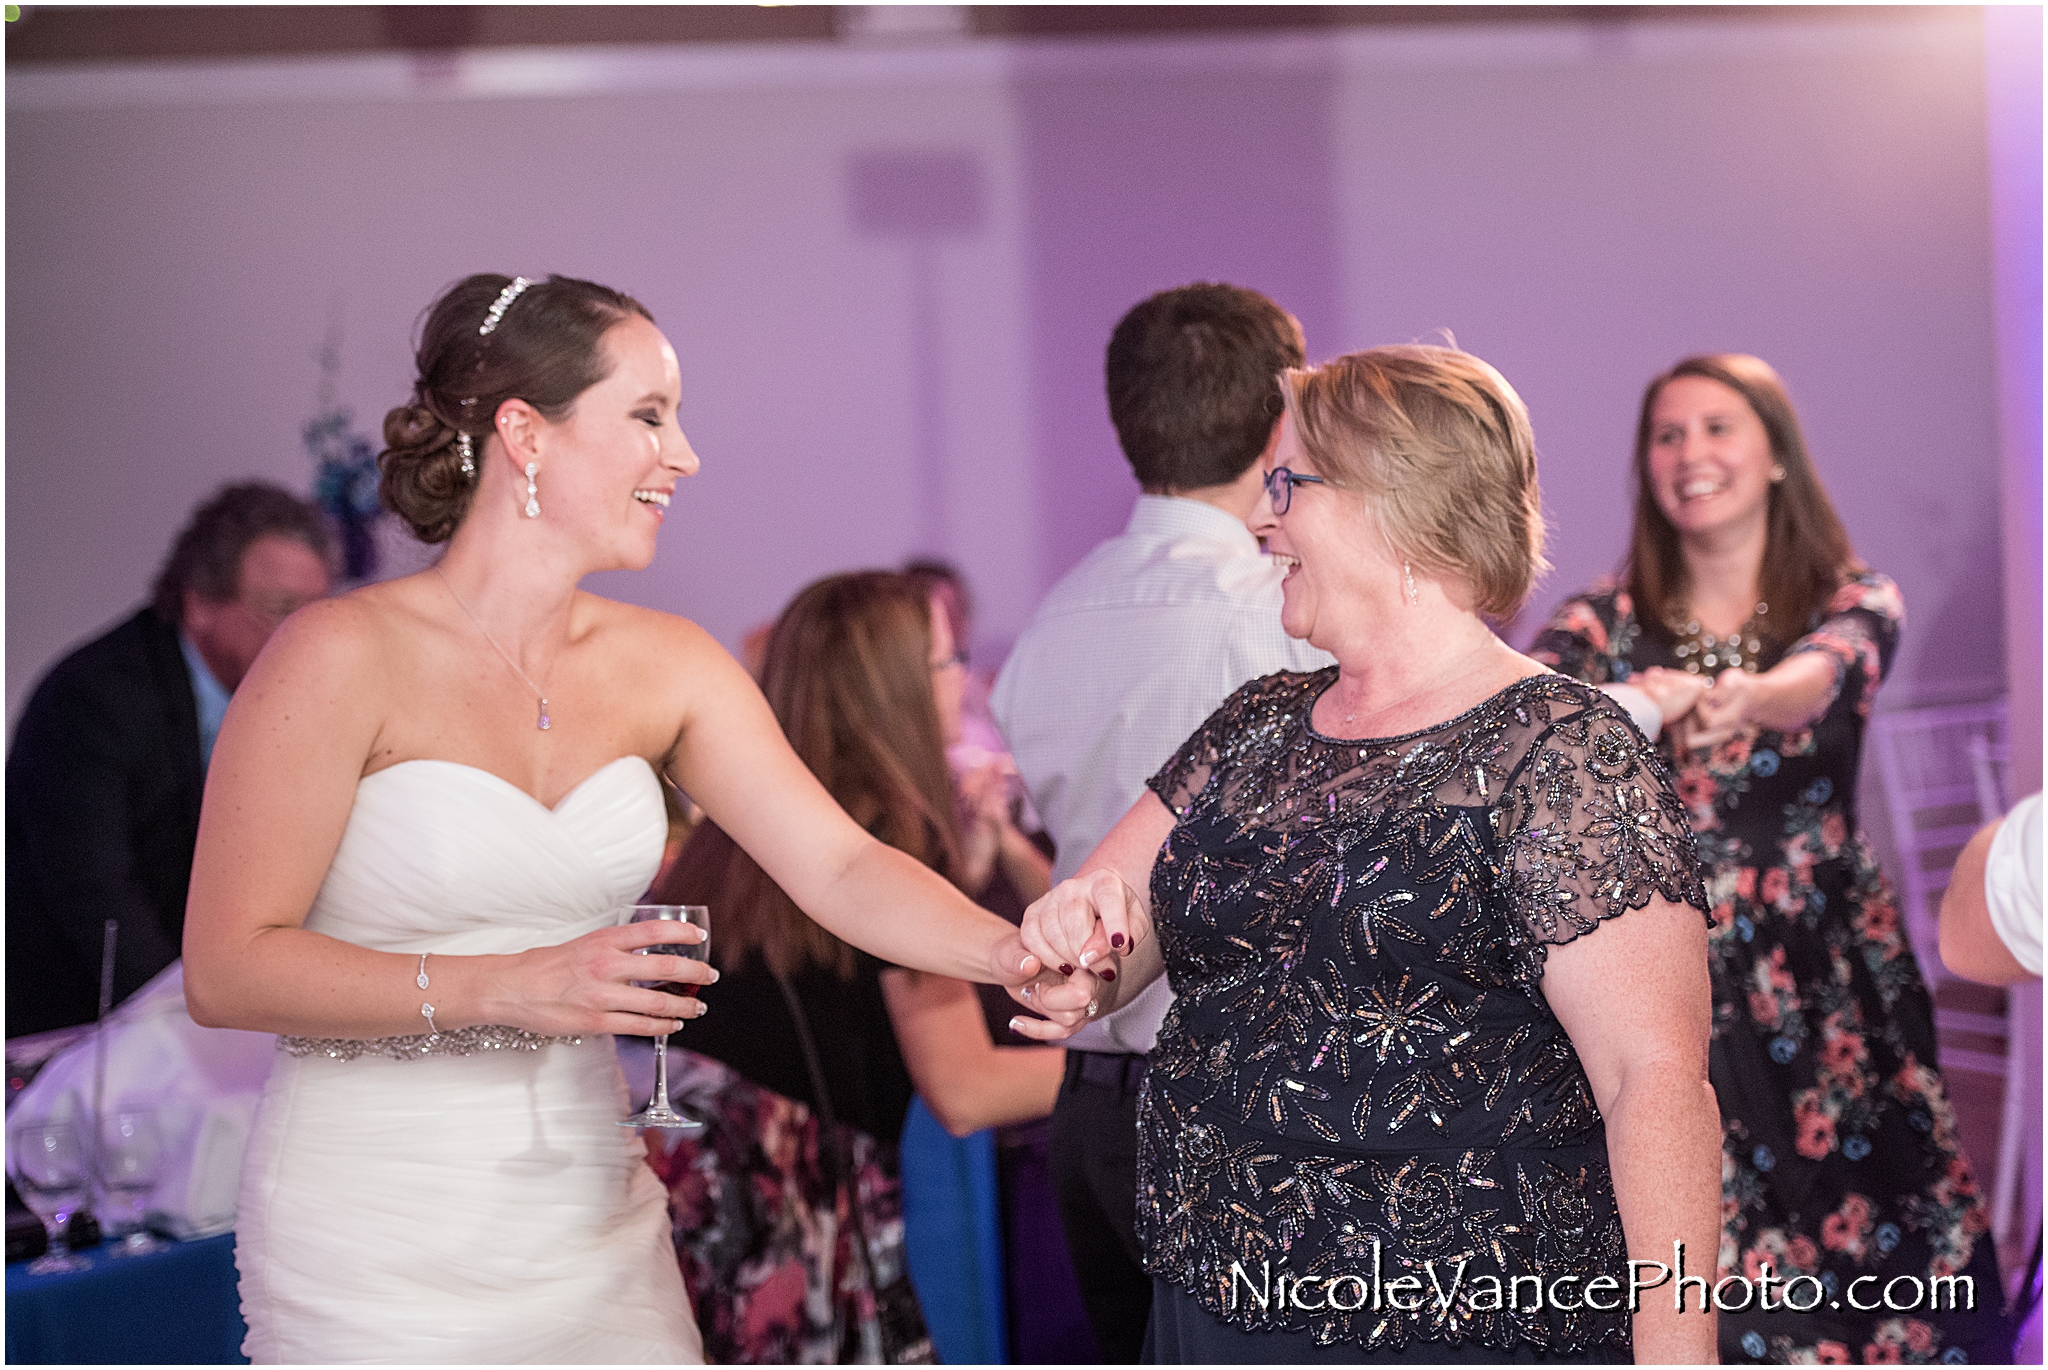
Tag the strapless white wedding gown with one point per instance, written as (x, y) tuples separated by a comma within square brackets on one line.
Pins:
[(471, 1198)]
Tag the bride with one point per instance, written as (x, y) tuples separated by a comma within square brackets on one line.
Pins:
[(427, 803)]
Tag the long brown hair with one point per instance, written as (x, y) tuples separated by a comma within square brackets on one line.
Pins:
[(1806, 549), (848, 674)]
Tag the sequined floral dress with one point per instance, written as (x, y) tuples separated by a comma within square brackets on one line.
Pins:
[(1360, 1075), (1840, 1158)]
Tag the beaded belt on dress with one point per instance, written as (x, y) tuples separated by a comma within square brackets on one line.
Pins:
[(461, 1042)]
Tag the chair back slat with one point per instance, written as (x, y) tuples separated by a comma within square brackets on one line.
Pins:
[(1942, 781)]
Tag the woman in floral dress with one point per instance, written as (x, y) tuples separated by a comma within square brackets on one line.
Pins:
[(1745, 616)]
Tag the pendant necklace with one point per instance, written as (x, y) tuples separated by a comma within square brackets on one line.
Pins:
[(544, 722)]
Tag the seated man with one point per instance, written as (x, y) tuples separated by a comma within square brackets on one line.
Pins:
[(109, 760)]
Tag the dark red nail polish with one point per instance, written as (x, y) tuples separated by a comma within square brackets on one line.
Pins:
[(1066, 970), (1116, 939), (1108, 974)]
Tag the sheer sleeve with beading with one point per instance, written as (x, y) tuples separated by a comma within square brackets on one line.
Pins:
[(1591, 828)]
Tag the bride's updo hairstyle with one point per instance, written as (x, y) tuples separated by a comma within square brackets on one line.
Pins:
[(483, 343)]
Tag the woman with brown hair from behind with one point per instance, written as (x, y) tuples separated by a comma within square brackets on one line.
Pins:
[(864, 678)]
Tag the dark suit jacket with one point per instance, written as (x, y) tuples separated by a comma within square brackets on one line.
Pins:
[(103, 788)]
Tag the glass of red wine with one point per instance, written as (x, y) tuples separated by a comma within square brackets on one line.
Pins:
[(659, 1112)]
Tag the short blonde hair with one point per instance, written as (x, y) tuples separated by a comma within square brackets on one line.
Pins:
[(1441, 444)]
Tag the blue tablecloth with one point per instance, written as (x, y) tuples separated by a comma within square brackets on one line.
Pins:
[(177, 1306)]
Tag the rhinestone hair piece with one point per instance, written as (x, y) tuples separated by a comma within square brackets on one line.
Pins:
[(501, 304), (468, 1041)]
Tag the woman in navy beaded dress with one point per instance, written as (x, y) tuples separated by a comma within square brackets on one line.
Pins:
[(1745, 615), (1435, 1073)]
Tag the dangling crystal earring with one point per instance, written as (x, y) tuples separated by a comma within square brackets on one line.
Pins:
[(532, 491), (467, 453), (1408, 579)]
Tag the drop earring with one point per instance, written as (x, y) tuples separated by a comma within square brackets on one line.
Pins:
[(467, 453), (1408, 579), (532, 491)]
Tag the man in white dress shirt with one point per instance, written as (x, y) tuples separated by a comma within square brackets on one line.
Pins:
[(1125, 658)]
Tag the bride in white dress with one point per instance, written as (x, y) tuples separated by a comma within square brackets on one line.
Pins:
[(428, 801)]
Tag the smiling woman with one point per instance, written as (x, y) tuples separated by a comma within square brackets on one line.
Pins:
[(1746, 615), (419, 889), (1434, 928)]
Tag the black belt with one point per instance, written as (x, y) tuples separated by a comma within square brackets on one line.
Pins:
[(1108, 1070)]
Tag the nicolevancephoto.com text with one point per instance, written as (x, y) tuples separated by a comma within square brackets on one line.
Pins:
[(1441, 1285)]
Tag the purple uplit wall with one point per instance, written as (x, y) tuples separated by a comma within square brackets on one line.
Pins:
[(889, 274), (2012, 50), (1144, 174)]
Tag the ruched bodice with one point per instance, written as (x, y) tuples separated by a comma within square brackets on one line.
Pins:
[(480, 1204), (448, 858)]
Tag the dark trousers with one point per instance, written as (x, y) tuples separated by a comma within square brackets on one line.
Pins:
[(1095, 1178)]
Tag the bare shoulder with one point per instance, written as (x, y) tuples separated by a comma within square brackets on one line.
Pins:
[(622, 625), (321, 691), (360, 629), (351, 641), (658, 655), (644, 633)]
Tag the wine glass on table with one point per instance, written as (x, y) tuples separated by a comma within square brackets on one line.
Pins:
[(659, 1112), (47, 1161), (131, 1163)]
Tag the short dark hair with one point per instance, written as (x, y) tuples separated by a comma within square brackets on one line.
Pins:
[(1192, 376), (545, 349), (207, 556)]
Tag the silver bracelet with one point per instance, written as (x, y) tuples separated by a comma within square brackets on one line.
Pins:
[(426, 1010)]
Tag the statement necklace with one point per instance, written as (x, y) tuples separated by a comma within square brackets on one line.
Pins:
[(544, 722), (1704, 654)]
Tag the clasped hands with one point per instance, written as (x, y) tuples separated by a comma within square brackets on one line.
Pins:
[(1699, 713), (1080, 933)]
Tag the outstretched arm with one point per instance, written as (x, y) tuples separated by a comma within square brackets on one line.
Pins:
[(967, 1081), (732, 758), (1848, 652), (1787, 697)]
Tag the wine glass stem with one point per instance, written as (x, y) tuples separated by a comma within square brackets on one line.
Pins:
[(660, 1099)]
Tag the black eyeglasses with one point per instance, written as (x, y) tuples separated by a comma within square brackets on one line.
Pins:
[(1280, 483)]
